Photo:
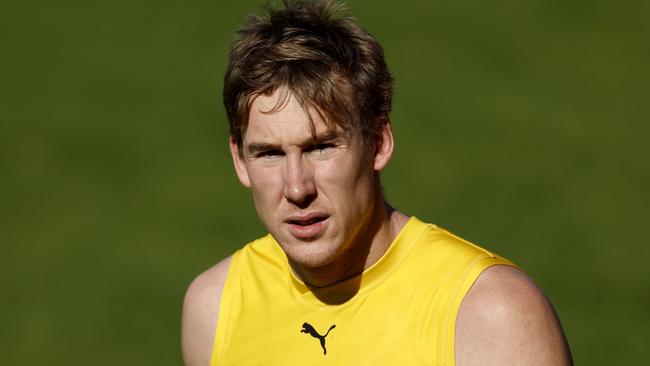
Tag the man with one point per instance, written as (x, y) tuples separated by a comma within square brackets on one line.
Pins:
[(343, 278)]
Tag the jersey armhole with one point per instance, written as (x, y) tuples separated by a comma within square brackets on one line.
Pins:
[(471, 276), (225, 307)]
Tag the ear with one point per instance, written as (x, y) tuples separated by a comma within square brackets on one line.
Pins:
[(239, 163), (384, 144)]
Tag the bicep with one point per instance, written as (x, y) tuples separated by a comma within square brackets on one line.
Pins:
[(506, 320), (200, 311)]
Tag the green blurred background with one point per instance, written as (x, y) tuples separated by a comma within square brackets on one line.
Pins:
[(522, 126)]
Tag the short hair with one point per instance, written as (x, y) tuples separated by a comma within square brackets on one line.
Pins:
[(318, 54)]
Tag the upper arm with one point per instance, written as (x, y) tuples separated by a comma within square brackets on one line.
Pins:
[(200, 311), (506, 320)]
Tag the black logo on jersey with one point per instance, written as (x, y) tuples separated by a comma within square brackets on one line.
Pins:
[(307, 328)]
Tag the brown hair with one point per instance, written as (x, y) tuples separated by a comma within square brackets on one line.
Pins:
[(317, 54)]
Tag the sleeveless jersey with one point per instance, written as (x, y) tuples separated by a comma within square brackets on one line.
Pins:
[(403, 309)]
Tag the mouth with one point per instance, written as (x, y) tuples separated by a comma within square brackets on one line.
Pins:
[(307, 220), (307, 227)]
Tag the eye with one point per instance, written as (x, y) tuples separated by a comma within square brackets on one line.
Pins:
[(269, 153), (320, 148)]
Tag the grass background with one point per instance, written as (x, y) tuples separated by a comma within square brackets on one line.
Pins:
[(522, 126)]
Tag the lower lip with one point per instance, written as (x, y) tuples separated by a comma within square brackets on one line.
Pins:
[(305, 232)]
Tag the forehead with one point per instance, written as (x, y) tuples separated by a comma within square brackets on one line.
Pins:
[(281, 116)]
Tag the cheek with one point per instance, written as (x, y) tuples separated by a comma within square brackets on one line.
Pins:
[(345, 180), (266, 185)]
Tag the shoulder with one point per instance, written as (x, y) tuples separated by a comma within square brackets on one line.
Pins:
[(200, 310), (505, 319)]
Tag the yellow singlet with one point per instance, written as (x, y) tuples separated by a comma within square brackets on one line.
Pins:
[(403, 312)]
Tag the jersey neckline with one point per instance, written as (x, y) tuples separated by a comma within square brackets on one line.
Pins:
[(349, 290)]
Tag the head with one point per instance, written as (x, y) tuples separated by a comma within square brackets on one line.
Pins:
[(307, 94)]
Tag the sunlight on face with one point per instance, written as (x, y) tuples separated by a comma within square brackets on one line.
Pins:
[(314, 192)]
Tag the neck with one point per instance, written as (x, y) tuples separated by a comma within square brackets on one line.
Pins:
[(365, 249)]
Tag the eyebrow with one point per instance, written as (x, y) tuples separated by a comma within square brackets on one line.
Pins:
[(256, 147), (324, 137)]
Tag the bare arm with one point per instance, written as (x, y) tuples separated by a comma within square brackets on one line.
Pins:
[(200, 310), (506, 320)]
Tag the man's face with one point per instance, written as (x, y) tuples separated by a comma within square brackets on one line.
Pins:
[(314, 193)]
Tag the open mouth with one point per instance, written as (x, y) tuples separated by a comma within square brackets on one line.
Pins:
[(308, 221), (307, 227)]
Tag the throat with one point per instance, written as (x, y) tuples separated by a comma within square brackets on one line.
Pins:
[(363, 251)]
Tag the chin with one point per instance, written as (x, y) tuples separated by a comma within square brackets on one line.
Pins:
[(313, 254)]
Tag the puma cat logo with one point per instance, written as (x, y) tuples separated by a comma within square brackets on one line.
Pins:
[(307, 328)]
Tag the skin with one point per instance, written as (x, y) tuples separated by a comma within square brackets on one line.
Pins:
[(303, 185), (505, 319), (297, 176), (200, 309)]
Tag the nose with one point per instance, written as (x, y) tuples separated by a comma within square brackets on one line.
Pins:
[(299, 187)]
